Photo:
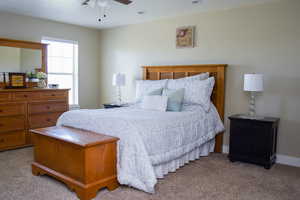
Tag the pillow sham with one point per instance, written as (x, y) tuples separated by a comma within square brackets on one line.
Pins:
[(201, 76), (196, 91), (144, 87), (175, 99), (155, 102)]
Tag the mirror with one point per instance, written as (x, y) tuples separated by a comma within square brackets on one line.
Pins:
[(14, 59)]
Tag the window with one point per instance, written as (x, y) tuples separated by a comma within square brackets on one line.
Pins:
[(63, 65)]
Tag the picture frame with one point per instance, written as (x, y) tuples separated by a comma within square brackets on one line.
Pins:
[(185, 37), (16, 80)]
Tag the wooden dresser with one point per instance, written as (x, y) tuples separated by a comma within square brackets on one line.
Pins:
[(24, 109)]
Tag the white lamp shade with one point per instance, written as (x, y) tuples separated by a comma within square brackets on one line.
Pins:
[(118, 79), (253, 82)]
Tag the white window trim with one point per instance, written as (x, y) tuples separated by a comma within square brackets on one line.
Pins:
[(75, 99)]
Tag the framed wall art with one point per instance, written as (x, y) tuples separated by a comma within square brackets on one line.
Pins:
[(185, 37)]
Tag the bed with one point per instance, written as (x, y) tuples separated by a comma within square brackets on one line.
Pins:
[(153, 143)]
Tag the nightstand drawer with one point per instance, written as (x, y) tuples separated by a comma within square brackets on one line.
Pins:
[(249, 138)]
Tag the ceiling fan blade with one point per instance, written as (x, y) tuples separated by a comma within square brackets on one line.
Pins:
[(126, 2), (85, 3)]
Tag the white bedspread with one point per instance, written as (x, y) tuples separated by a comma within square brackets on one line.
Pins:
[(147, 138)]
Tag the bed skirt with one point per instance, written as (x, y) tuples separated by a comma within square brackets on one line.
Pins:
[(172, 166)]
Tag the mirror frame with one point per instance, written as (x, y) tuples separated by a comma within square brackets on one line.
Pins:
[(28, 45)]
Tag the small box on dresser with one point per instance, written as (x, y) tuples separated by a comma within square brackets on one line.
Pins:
[(253, 140)]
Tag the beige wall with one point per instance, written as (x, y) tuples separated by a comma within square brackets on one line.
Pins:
[(32, 29), (260, 39)]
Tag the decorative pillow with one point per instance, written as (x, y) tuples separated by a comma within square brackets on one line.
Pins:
[(175, 99), (144, 87), (155, 92), (155, 102), (201, 76), (196, 91)]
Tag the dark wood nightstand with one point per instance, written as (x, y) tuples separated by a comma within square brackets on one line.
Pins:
[(253, 140), (109, 105)]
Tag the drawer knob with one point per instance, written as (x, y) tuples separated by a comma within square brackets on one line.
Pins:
[(1, 140), (48, 107), (25, 95), (53, 95), (48, 120), (1, 111), (1, 125)]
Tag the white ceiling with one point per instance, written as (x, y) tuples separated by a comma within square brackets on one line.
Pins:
[(71, 11)]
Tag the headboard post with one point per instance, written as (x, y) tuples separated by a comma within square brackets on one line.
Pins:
[(180, 71)]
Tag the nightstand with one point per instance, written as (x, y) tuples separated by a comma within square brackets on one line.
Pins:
[(253, 140), (108, 105)]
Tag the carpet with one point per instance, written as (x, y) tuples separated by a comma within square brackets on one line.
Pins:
[(210, 178)]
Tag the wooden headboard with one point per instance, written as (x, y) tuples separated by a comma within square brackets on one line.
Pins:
[(180, 71)]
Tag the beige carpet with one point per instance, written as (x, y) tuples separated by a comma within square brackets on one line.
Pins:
[(210, 178)]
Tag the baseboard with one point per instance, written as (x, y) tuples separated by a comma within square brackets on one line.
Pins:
[(282, 159), (225, 149), (288, 160)]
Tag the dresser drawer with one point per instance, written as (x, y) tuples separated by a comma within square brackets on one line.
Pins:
[(43, 120), (12, 139), (5, 97), (11, 123), (45, 107), (12, 109), (26, 96), (54, 94)]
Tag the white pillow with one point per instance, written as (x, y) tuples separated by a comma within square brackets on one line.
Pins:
[(201, 76), (155, 102), (143, 87), (196, 91)]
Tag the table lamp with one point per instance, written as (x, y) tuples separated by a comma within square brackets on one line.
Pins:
[(253, 83), (118, 81)]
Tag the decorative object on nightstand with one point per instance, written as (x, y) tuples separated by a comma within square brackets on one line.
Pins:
[(118, 81), (253, 140), (253, 83)]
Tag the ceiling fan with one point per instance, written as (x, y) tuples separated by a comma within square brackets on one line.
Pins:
[(88, 2), (102, 6)]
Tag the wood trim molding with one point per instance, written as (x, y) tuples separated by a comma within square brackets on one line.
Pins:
[(179, 71)]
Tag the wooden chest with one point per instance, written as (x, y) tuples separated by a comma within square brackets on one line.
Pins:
[(23, 109), (83, 160)]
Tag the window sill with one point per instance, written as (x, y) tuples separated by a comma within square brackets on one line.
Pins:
[(74, 107)]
